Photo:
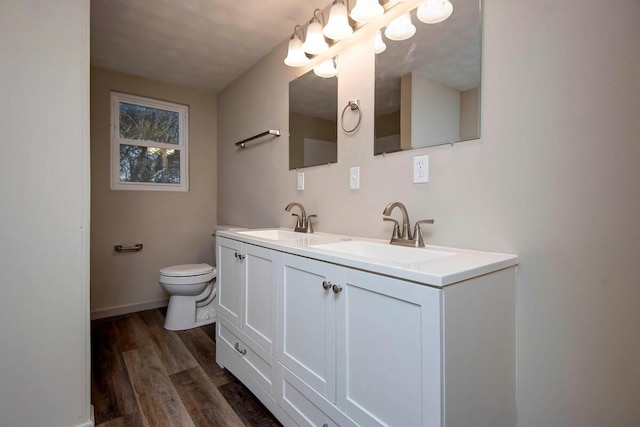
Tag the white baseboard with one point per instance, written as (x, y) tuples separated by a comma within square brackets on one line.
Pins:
[(87, 423), (128, 308)]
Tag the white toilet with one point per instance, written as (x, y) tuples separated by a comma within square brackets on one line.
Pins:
[(192, 289)]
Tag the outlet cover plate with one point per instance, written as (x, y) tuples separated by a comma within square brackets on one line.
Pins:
[(420, 169), (300, 181)]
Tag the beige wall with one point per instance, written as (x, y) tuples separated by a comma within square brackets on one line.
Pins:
[(174, 227), (554, 179), (44, 214)]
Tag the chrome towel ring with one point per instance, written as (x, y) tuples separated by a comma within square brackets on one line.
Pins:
[(354, 106)]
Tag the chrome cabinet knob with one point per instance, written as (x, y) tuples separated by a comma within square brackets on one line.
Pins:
[(337, 289), (326, 285)]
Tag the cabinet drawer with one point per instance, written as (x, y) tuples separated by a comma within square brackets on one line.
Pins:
[(305, 406), (254, 359)]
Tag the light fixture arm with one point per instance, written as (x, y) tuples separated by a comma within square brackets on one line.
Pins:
[(315, 17), (295, 32)]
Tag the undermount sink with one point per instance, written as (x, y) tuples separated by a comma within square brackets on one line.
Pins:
[(383, 251), (274, 234)]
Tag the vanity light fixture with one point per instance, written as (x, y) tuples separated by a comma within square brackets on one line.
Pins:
[(367, 10), (434, 11), (295, 56), (378, 44), (400, 28), (315, 44), (326, 69), (338, 27)]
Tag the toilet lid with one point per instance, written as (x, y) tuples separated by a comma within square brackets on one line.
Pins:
[(185, 270)]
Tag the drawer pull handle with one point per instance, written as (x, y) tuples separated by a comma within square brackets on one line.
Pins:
[(326, 285), (237, 347), (337, 289)]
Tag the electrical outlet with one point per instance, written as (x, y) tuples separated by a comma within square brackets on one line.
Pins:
[(420, 169), (300, 181), (354, 178)]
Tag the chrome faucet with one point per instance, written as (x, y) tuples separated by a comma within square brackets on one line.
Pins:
[(406, 238), (303, 222)]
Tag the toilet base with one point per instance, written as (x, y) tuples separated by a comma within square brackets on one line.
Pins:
[(182, 313)]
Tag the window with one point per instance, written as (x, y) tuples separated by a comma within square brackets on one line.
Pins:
[(149, 142)]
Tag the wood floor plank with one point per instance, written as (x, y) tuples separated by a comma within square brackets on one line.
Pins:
[(203, 349), (204, 402), (159, 403), (173, 353), (111, 389), (247, 406), (131, 420), (132, 333), (210, 330)]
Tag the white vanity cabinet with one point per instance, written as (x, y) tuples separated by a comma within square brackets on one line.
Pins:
[(247, 313), (368, 344), (342, 344)]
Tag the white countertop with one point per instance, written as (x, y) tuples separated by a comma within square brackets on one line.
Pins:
[(455, 266)]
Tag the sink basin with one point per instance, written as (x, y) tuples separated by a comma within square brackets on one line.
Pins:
[(383, 251), (274, 234)]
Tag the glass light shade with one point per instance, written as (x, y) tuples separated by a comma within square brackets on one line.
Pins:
[(295, 55), (326, 69), (338, 26), (434, 11), (315, 43), (378, 44), (400, 28), (367, 10)]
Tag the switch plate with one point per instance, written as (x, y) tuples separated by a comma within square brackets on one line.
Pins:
[(300, 181), (420, 169), (354, 178)]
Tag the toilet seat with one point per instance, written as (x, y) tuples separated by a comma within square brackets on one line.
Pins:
[(187, 274), (186, 270)]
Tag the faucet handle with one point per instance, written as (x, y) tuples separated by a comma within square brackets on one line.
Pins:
[(396, 228), (417, 232), (309, 225), (298, 220)]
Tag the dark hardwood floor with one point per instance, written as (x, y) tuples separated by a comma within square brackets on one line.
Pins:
[(144, 375)]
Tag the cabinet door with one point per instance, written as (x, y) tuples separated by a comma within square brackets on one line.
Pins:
[(260, 295), (306, 322), (388, 345), (229, 280)]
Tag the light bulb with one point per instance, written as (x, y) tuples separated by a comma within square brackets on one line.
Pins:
[(367, 10), (315, 43), (326, 69), (378, 44), (295, 56), (400, 28), (434, 11), (338, 26)]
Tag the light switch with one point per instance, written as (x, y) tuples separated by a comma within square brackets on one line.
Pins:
[(354, 178), (420, 169), (300, 181)]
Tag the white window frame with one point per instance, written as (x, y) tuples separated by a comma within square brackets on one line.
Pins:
[(116, 141)]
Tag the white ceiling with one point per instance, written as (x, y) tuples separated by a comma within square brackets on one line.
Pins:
[(204, 44)]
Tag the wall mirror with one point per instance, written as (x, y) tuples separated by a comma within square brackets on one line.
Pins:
[(427, 88), (313, 112)]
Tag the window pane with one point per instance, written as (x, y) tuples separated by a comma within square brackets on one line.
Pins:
[(149, 164), (149, 124)]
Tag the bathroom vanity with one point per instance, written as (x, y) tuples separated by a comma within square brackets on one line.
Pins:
[(330, 330)]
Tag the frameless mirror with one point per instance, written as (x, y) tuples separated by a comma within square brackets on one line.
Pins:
[(427, 89), (313, 112)]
